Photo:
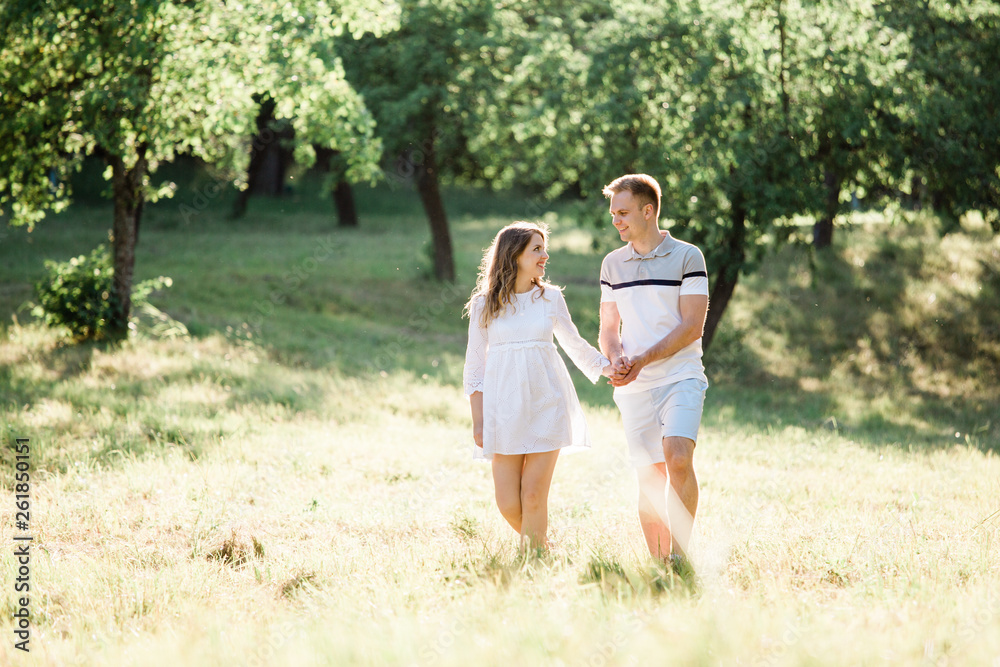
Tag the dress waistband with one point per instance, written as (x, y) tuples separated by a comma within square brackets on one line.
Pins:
[(522, 344)]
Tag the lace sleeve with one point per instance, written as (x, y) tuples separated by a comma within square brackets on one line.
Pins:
[(475, 353), (587, 358)]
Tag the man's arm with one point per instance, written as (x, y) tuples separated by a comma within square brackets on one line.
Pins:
[(610, 339), (694, 309)]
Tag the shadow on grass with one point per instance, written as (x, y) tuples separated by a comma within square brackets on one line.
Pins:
[(497, 564), (850, 329), (103, 403), (502, 565), (858, 348), (648, 579)]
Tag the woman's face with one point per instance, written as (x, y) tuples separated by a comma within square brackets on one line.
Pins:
[(531, 262)]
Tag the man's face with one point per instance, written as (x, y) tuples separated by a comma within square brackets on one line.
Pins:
[(627, 215)]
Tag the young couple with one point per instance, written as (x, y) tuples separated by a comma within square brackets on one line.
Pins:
[(654, 299)]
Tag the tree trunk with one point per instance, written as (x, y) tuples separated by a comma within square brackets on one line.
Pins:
[(328, 161), (269, 160), (269, 178), (722, 292), (783, 73), (343, 199), (126, 186), (728, 274), (823, 228), (430, 197)]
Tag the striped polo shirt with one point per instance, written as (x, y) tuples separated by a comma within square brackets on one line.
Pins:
[(647, 291)]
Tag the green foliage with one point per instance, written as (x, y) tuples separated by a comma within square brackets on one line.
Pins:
[(200, 433), (79, 294), (421, 83), (145, 80), (749, 114), (138, 82), (951, 91), (532, 108)]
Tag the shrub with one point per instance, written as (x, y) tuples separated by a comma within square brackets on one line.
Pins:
[(78, 295)]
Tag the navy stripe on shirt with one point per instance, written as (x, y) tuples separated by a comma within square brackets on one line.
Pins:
[(652, 281)]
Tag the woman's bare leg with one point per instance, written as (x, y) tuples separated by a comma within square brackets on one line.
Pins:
[(536, 479), (507, 484)]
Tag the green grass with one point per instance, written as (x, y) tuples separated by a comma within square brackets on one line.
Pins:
[(296, 486)]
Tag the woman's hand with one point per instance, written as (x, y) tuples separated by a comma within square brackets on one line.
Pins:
[(618, 369), (628, 373), (477, 434)]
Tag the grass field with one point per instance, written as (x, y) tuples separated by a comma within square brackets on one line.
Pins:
[(291, 482)]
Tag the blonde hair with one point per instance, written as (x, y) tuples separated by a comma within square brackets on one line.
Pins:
[(498, 269), (642, 186)]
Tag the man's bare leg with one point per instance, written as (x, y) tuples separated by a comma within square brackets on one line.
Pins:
[(653, 509), (682, 493)]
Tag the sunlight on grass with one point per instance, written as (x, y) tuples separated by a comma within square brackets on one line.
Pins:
[(302, 490)]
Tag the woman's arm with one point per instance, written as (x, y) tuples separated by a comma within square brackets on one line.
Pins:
[(587, 358), (476, 400), (475, 369), (475, 352)]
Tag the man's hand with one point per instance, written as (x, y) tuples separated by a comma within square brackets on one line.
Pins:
[(629, 372), (618, 369)]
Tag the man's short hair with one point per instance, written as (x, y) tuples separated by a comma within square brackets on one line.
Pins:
[(642, 186)]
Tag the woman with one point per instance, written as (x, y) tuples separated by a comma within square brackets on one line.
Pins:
[(524, 407)]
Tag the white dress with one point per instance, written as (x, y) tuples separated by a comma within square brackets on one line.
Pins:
[(529, 403)]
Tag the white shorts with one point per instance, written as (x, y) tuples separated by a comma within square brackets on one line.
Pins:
[(671, 410)]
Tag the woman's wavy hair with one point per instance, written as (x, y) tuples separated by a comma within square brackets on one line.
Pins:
[(498, 270)]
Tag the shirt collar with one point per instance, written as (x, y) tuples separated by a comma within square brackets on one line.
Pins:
[(666, 245)]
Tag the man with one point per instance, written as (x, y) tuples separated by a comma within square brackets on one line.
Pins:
[(654, 299)]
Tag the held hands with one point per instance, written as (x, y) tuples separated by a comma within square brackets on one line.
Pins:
[(629, 371), (622, 371)]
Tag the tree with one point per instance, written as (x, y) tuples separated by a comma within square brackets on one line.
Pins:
[(532, 109), (419, 81), (333, 164), (838, 65), (308, 111), (269, 157), (679, 91), (136, 82), (747, 113), (951, 90)]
